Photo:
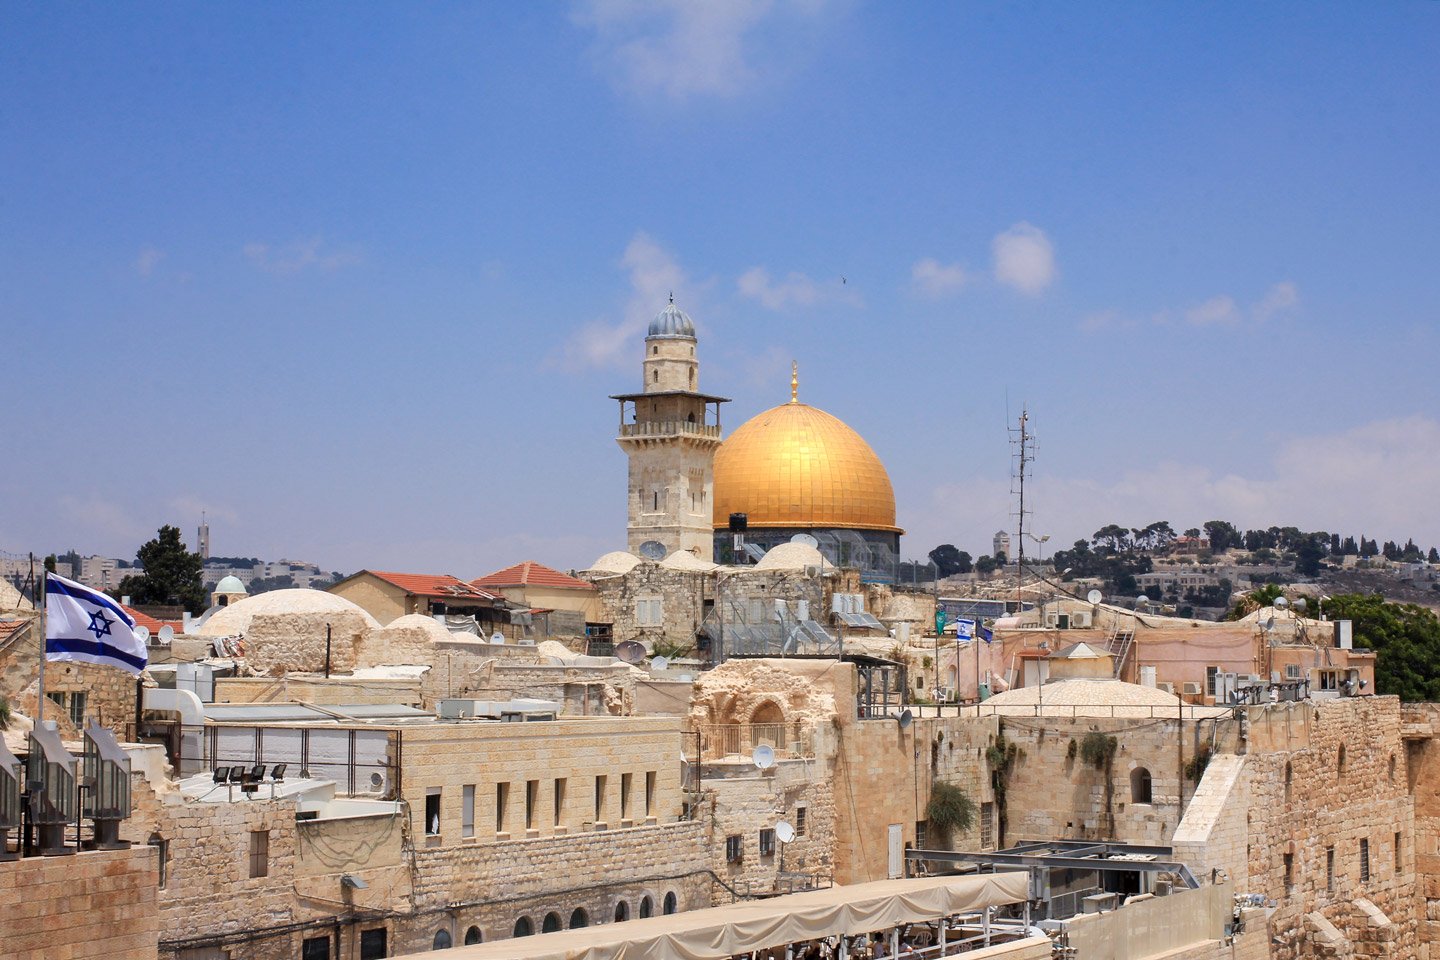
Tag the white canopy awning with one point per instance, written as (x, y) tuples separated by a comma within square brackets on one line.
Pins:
[(738, 928)]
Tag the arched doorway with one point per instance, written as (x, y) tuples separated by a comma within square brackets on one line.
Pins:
[(551, 923), (767, 725), (474, 936), (622, 912), (579, 918), (524, 927)]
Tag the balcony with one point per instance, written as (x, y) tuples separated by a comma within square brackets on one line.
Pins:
[(669, 428)]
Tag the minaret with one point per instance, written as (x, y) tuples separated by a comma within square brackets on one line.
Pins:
[(668, 434)]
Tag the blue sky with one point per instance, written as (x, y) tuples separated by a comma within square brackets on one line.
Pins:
[(358, 280)]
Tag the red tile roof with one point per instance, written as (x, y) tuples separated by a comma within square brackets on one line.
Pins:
[(440, 585), (531, 574), (151, 624)]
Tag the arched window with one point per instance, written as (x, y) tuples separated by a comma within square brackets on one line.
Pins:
[(551, 922), (523, 927), (655, 376), (474, 936), (647, 906), (442, 940), (622, 912), (671, 903), (579, 918), (1139, 785)]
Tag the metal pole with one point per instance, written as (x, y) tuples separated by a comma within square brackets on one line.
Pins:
[(327, 651), (44, 629)]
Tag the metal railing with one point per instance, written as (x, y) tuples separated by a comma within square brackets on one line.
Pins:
[(720, 741), (363, 763)]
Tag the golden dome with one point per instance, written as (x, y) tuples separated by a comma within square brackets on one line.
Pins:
[(797, 466)]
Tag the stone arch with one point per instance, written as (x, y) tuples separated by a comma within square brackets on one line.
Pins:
[(442, 940), (474, 936), (551, 923), (579, 918), (622, 912), (647, 907), (524, 927), (1141, 786), (767, 724)]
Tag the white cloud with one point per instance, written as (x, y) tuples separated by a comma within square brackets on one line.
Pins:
[(679, 48), (654, 276), (795, 290), (297, 256), (1280, 298), (1378, 479), (932, 278), (1216, 311), (1024, 258), (148, 260)]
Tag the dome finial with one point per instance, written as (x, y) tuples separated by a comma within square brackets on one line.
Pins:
[(794, 382)]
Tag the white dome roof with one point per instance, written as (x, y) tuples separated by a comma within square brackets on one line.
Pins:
[(228, 621), (429, 626), (790, 556), (1066, 695), (230, 584), (617, 561), (685, 560)]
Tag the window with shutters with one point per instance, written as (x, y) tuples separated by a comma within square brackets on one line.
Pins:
[(734, 848)]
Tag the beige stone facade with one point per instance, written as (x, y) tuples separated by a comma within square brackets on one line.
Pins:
[(97, 904)]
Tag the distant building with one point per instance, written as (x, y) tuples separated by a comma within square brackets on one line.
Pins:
[(1001, 544)]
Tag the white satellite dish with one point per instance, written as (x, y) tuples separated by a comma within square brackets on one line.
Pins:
[(1280, 603), (143, 633), (784, 832), (659, 663), (497, 637), (167, 633), (806, 539), (630, 651), (763, 756), (1141, 599), (1094, 596)]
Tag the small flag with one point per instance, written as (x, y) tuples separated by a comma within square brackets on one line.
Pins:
[(86, 626), (965, 629), (986, 635)]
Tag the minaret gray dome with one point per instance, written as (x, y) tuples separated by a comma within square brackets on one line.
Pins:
[(672, 322)]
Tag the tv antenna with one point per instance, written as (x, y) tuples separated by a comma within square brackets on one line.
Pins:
[(1022, 454)]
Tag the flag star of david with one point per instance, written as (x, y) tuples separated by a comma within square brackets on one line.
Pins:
[(99, 625)]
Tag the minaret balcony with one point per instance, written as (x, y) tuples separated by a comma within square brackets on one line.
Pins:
[(669, 428)]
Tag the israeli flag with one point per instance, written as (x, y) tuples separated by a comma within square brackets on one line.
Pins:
[(965, 629), (86, 626)]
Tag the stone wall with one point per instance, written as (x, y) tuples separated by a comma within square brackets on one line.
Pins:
[(97, 903), (741, 801), (683, 596)]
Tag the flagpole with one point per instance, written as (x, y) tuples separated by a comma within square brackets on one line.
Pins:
[(43, 604)]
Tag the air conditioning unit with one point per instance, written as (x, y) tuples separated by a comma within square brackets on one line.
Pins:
[(1165, 685), (1191, 689), (1081, 618)]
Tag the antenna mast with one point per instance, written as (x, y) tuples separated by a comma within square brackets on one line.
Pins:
[(1022, 453)]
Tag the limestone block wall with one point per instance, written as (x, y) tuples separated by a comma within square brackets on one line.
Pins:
[(1213, 836), (109, 697), (383, 601), (682, 593), (281, 643), (1054, 793), (1422, 761), (742, 800), (957, 756), (97, 903), (1343, 782)]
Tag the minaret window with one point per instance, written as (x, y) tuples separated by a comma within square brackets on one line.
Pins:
[(655, 376), (656, 496)]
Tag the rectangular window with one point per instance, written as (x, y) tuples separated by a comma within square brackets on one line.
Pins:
[(259, 853), (77, 709), (373, 945), (650, 793), (801, 815), (560, 785), (432, 812), (987, 826), (600, 798), (1210, 674), (1289, 859), (626, 781), (162, 853), (467, 810), (1329, 869), (57, 697), (1292, 671), (734, 848), (649, 613), (767, 842), (315, 948), (532, 802), (920, 834), (1364, 861), (1397, 853), (502, 800)]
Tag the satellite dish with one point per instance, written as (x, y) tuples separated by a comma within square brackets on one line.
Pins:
[(763, 756), (497, 637), (630, 651), (784, 832), (167, 633), (1280, 603), (659, 663), (905, 718), (1094, 596), (1141, 599), (806, 539), (143, 633), (1269, 624), (652, 550)]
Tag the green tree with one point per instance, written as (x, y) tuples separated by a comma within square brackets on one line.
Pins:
[(172, 574), (950, 560), (1405, 638), (50, 563), (985, 564)]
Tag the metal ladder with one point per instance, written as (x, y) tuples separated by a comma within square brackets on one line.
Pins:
[(1119, 643)]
